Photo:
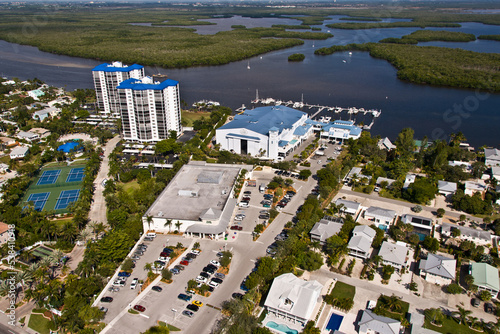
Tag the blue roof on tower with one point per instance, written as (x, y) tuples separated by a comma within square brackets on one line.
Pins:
[(263, 119), (110, 68), (137, 84)]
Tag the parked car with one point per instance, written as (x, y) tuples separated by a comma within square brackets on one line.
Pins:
[(175, 271), (139, 308), (191, 256), (157, 288), (236, 227), (124, 274), (263, 216), (215, 263), (220, 254), (179, 267), (134, 283), (237, 295), (245, 199), (213, 284), (185, 258), (187, 313), (217, 280), (488, 308), (248, 192), (475, 302), (184, 263), (106, 299), (204, 274), (103, 309), (210, 265), (184, 297), (192, 307), (201, 279), (197, 303), (209, 270), (168, 250), (220, 275)]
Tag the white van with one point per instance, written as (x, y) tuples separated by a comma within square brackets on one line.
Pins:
[(243, 204), (151, 234)]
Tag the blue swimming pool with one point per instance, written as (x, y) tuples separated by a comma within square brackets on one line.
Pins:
[(66, 148), (281, 328), (334, 322)]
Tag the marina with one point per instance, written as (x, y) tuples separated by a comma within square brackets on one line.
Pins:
[(317, 111)]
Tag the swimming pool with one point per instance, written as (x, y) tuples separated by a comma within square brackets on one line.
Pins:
[(281, 328), (66, 148), (334, 322)]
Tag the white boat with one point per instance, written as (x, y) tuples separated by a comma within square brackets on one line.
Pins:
[(344, 61), (256, 97), (248, 66), (350, 53), (278, 102)]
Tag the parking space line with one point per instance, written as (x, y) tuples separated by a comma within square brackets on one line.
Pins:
[(143, 315)]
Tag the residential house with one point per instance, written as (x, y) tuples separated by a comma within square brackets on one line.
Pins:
[(438, 269), (371, 323), (382, 179), (464, 165), (325, 228), (380, 216), (361, 241), (417, 324), (41, 115), (349, 207), (29, 136), (476, 235), (395, 255), (485, 277), (419, 222), (293, 298), (4, 233), (40, 132), (386, 144), (409, 179), (19, 152), (446, 188), (491, 157), (472, 187), (7, 142), (3, 168), (495, 172), (36, 94)]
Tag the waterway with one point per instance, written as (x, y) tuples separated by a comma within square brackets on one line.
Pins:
[(344, 80)]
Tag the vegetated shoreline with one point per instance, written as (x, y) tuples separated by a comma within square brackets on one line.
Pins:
[(438, 66), (431, 35), (489, 37)]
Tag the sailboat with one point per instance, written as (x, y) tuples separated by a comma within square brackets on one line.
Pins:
[(248, 66)]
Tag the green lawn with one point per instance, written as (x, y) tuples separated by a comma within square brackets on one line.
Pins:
[(398, 313), (189, 117), (343, 290), (129, 187), (40, 324), (450, 326)]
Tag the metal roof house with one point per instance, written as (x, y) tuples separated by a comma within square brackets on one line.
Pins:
[(293, 298), (200, 197), (485, 277), (373, 323), (19, 152), (438, 269), (385, 144), (361, 241), (492, 157), (380, 216), (395, 255), (475, 235), (447, 188), (268, 132), (324, 229), (349, 207)]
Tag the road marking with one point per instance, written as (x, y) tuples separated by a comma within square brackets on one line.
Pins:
[(143, 315)]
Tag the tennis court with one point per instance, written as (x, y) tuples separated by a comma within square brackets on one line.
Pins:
[(39, 200), (66, 198), (75, 175), (49, 177)]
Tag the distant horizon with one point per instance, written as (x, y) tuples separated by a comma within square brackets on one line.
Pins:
[(269, 2)]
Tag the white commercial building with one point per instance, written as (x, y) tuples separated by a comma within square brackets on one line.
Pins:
[(199, 201), (269, 132), (150, 108), (341, 131), (106, 78), (293, 298)]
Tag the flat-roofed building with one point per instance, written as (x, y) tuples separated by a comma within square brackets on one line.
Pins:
[(341, 130), (417, 221), (198, 201)]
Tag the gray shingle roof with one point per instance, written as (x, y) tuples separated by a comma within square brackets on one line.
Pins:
[(467, 231), (395, 253), (374, 211), (378, 323), (439, 265), (325, 229)]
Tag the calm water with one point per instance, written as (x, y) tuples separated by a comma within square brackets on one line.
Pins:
[(360, 81)]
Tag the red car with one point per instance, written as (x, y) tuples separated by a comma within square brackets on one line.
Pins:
[(184, 263), (139, 308), (236, 227)]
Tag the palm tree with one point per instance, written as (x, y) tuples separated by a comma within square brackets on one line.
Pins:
[(149, 220), (196, 245), (83, 236), (169, 224), (315, 245), (462, 315), (435, 315), (474, 322), (178, 226), (148, 267), (393, 302)]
